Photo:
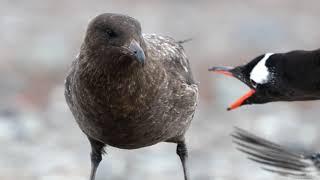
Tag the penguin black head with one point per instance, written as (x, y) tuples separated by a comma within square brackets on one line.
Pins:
[(261, 76)]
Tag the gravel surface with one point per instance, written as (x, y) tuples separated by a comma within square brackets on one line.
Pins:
[(38, 40)]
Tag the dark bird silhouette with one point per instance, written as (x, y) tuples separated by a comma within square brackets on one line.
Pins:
[(276, 158), (291, 76), (130, 90)]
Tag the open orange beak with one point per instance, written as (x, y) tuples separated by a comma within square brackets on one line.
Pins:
[(240, 101), (227, 71)]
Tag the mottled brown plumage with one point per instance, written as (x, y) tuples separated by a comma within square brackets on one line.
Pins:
[(130, 90)]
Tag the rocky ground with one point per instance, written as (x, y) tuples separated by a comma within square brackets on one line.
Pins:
[(39, 139)]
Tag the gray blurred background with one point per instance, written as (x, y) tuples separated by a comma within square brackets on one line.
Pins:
[(39, 139)]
